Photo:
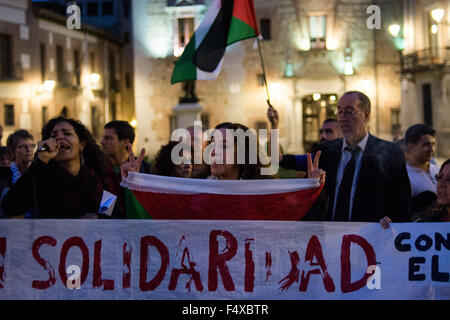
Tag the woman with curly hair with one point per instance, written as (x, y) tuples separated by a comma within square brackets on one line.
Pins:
[(164, 166), (66, 178)]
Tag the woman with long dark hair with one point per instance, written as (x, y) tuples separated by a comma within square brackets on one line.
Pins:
[(66, 179)]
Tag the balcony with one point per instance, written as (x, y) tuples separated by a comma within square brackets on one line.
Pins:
[(425, 60)]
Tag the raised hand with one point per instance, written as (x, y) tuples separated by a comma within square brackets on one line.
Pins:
[(272, 115), (385, 222), (133, 164), (313, 168)]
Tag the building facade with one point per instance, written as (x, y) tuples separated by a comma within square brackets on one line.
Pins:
[(425, 76), (48, 70), (313, 52)]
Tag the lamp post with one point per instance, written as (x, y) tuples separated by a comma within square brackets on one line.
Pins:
[(394, 30)]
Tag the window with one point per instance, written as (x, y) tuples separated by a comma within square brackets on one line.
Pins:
[(92, 9), (76, 63), (128, 80), (44, 115), (395, 121), (112, 71), (107, 8), (317, 31), (92, 62), (261, 80), (265, 29), (43, 61), (60, 63), (113, 111), (9, 115), (126, 8), (185, 30), (6, 70), (427, 104)]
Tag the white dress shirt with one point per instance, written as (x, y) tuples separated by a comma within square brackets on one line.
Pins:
[(345, 158)]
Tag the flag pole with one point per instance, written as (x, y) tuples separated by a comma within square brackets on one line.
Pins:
[(264, 72)]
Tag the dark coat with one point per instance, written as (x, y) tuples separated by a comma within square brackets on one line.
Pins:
[(383, 187), (53, 192)]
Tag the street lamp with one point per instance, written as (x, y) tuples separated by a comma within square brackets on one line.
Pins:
[(437, 14), (394, 30)]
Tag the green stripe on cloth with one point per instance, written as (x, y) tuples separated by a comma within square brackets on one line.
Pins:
[(133, 208), (239, 30), (185, 68)]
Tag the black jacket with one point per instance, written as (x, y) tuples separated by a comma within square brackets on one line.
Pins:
[(383, 187)]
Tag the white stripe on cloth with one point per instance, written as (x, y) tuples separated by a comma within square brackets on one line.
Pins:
[(200, 34), (161, 184), (207, 21)]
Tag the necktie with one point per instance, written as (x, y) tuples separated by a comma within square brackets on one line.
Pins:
[(343, 201)]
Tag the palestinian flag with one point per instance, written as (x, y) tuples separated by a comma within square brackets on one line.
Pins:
[(181, 198), (226, 22)]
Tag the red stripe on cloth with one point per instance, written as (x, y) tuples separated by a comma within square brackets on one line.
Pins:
[(244, 10), (280, 206)]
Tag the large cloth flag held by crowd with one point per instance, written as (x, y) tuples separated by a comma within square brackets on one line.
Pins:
[(179, 198), (226, 22)]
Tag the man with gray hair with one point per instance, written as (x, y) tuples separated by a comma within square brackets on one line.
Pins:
[(366, 178)]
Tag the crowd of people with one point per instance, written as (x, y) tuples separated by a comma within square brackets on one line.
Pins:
[(65, 174)]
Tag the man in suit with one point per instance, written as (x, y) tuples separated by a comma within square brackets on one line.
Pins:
[(366, 178)]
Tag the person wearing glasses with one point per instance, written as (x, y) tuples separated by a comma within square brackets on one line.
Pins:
[(441, 211), (366, 176), (20, 148)]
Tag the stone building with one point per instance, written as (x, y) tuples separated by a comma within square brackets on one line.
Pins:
[(425, 76), (313, 52), (48, 69)]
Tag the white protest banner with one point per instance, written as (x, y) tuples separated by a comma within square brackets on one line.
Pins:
[(198, 259)]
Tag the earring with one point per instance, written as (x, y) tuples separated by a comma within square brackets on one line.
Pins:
[(82, 158)]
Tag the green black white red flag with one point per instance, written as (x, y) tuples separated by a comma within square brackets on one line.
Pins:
[(226, 22)]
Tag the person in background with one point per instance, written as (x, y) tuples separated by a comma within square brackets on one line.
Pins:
[(1, 134), (65, 180), (421, 142), (118, 137), (20, 148), (440, 212), (164, 166), (328, 132), (4, 157)]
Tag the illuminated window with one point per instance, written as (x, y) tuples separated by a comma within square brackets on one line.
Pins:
[(318, 31), (185, 31)]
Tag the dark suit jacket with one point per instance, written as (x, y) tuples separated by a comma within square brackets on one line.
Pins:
[(383, 187)]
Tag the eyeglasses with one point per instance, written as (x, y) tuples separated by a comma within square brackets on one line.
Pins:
[(31, 146), (347, 112), (440, 178)]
